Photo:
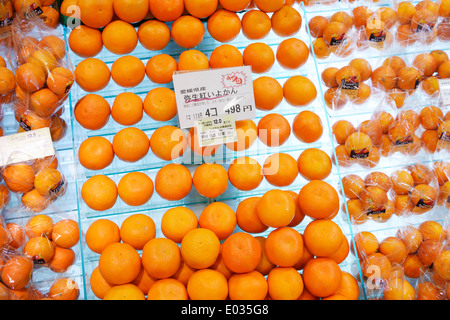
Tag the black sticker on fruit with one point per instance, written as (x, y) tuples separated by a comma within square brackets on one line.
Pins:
[(6, 21), (57, 187), (424, 26), (24, 125), (350, 83), (445, 136), (425, 203), (35, 10), (377, 36), (359, 154), (403, 141), (337, 39), (380, 210)]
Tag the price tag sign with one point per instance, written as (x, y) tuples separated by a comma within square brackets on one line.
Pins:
[(26, 146), (444, 89), (216, 130), (214, 93)]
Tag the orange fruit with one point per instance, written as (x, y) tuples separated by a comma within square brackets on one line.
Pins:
[(327, 230), (160, 68), (328, 77), (317, 25), (224, 25), (220, 218), (17, 234), (168, 142), (276, 208), (268, 93), (96, 14), (292, 53), (411, 237), (95, 153), (64, 289), (342, 129), (299, 91), (299, 215), (247, 286), (429, 291), (127, 291), (286, 21), (60, 80), (92, 74), (318, 200), (352, 186), (177, 222), (430, 117), (167, 289), (210, 180), (201, 9), (234, 5), (264, 266), (284, 246), (241, 252), (39, 225), (29, 76), (187, 31), (131, 11), (322, 277), (405, 11), (200, 248), (39, 249), (341, 254), (128, 71), (192, 60), (256, 24), (207, 284), (62, 259), (259, 56), (426, 64), (247, 216), (99, 193), (394, 249), (314, 164), (226, 56), (161, 258), (101, 233), (269, 6), (135, 188), (334, 32), (280, 169), (131, 144), (86, 42), (165, 11), (66, 233), (245, 173), (119, 37), (408, 78), (127, 108), (8, 82), (154, 35), (19, 177), (160, 104), (274, 130), (428, 251), (92, 111), (441, 264), (247, 133), (173, 182), (432, 230), (398, 289), (34, 201), (384, 77), (285, 283), (53, 44), (16, 272)]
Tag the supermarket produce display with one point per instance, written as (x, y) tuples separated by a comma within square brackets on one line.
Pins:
[(224, 150)]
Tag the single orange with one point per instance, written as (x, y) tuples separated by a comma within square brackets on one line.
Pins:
[(268, 93), (220, 218), (173, 182), (259, 56), (280, 169), (154, 35), (224, 25), (92, 74), (99, 193), (92, 111), (168, 142), (135, 188), (241, 252), (245, 173), (177, 222), (131, 144), (256, 24), (292, 53), (127, 109), (187, 31), (226, 56), (161, 258), (299, 91), (160, 68), (210, 180), (160, 104), (276, 208), (128, 71)]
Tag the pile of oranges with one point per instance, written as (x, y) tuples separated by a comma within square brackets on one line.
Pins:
[(46, 10), (253, 253), (416, 252)]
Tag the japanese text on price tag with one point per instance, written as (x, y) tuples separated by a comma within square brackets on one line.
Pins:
[(212, 93), (25, 146), (444, 88), (216, 130)]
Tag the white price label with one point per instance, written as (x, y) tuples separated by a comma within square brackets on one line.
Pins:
[(216, 130), (444, 89), (213, 93), (26, 146)]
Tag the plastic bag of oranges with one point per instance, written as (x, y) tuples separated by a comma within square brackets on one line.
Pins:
[(37, 183), (43, 70)]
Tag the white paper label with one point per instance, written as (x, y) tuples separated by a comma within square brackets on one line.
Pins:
[(26, 146), (444, 89), (216, 130), (213, 93)]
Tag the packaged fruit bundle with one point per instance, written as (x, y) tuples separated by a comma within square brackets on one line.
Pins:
[(37, 183), (402, 191), (407, 262), (43, 72)]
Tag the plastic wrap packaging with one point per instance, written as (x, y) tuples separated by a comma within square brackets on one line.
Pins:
[(44, 77), (403, 262), (380, 194)]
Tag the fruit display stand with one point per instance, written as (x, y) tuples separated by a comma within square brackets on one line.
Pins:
[(73, 159)]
